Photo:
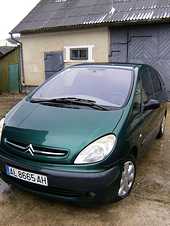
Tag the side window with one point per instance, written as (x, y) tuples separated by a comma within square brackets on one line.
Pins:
[(137, 98), (147, 85), (156, 82)]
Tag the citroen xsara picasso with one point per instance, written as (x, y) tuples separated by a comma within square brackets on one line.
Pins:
[(77, 137)]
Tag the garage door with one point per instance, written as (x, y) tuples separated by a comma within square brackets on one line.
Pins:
[(146, 44)]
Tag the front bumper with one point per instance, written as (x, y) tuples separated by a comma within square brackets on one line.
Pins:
[(68, 185)]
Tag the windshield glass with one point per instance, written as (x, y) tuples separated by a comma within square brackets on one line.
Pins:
[(107, 86)]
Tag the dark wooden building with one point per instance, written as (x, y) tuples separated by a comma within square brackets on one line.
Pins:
[(9, 69)]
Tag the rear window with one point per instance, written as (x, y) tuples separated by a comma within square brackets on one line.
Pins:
[(107, 86)]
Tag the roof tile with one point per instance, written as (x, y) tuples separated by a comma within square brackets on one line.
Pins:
[(51, 14)]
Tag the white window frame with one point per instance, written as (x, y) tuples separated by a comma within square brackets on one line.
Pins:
[(68, 53)]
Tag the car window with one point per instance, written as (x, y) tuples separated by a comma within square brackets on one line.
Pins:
[(147, 85), (137, 98), (107, 86), (156, 81)]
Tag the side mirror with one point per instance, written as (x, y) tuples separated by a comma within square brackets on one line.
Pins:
[(152, 105)]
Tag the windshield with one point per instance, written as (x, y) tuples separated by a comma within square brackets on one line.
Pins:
[(106, 86)]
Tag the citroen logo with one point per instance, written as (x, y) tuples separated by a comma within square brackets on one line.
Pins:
[(30, 150)]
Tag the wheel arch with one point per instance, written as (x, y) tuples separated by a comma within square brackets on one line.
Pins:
[(134, 151)]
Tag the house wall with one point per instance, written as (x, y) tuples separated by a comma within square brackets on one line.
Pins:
[(35, 45), (10, 59)]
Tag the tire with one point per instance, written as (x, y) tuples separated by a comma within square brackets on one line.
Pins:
[(125, 185), (162, 128)]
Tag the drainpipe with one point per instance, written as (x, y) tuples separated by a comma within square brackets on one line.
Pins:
[(21, 60)]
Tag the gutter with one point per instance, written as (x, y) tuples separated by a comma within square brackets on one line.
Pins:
[(21, 60)]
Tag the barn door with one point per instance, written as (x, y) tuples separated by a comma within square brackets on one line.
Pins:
[(54, 62), (146, 44), (143, 48), (153, 48), (118, 51), (13, 78)]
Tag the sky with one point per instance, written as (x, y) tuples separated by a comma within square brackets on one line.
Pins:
[(12, 12)]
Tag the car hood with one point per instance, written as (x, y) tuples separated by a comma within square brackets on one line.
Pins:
[(62, 128)]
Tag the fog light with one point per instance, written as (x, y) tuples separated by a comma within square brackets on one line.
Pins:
[(92, 194)]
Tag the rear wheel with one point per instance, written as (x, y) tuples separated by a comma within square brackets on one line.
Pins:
[(162, 128)]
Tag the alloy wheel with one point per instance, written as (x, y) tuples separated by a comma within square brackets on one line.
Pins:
[(127, 180), (163, 125)]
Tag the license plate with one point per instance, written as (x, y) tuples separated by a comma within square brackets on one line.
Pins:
[(27, 176)]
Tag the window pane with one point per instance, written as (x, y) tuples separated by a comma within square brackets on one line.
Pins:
[(74, 54), (84, 54), (107, 86), (137, 99), (79, 54), (156, 82), (147, 86)]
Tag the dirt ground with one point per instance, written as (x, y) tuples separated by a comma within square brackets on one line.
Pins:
[(148, 204)]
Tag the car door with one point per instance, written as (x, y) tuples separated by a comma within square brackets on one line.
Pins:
[(159, 95), (135, 122), (150, 117)]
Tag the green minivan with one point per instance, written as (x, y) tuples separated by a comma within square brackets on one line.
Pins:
[(77, 137)]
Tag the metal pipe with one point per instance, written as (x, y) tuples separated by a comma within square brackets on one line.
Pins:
[(21, 59)]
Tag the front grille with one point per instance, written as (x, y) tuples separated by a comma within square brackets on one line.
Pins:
[(35, 150)]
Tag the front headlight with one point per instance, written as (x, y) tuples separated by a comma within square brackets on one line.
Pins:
[(1, 127), (97, 151)]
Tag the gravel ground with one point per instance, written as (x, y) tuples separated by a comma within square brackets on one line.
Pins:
[(148, 204)]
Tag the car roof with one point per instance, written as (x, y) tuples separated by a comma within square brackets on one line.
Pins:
[(129, 66)]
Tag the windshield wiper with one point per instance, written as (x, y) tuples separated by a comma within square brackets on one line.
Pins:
[(71, 100), (63, 100)]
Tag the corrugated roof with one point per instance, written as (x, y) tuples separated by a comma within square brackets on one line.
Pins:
[(6, 49), (50, 14)]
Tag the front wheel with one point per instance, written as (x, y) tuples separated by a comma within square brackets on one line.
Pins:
[(127, 179)]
